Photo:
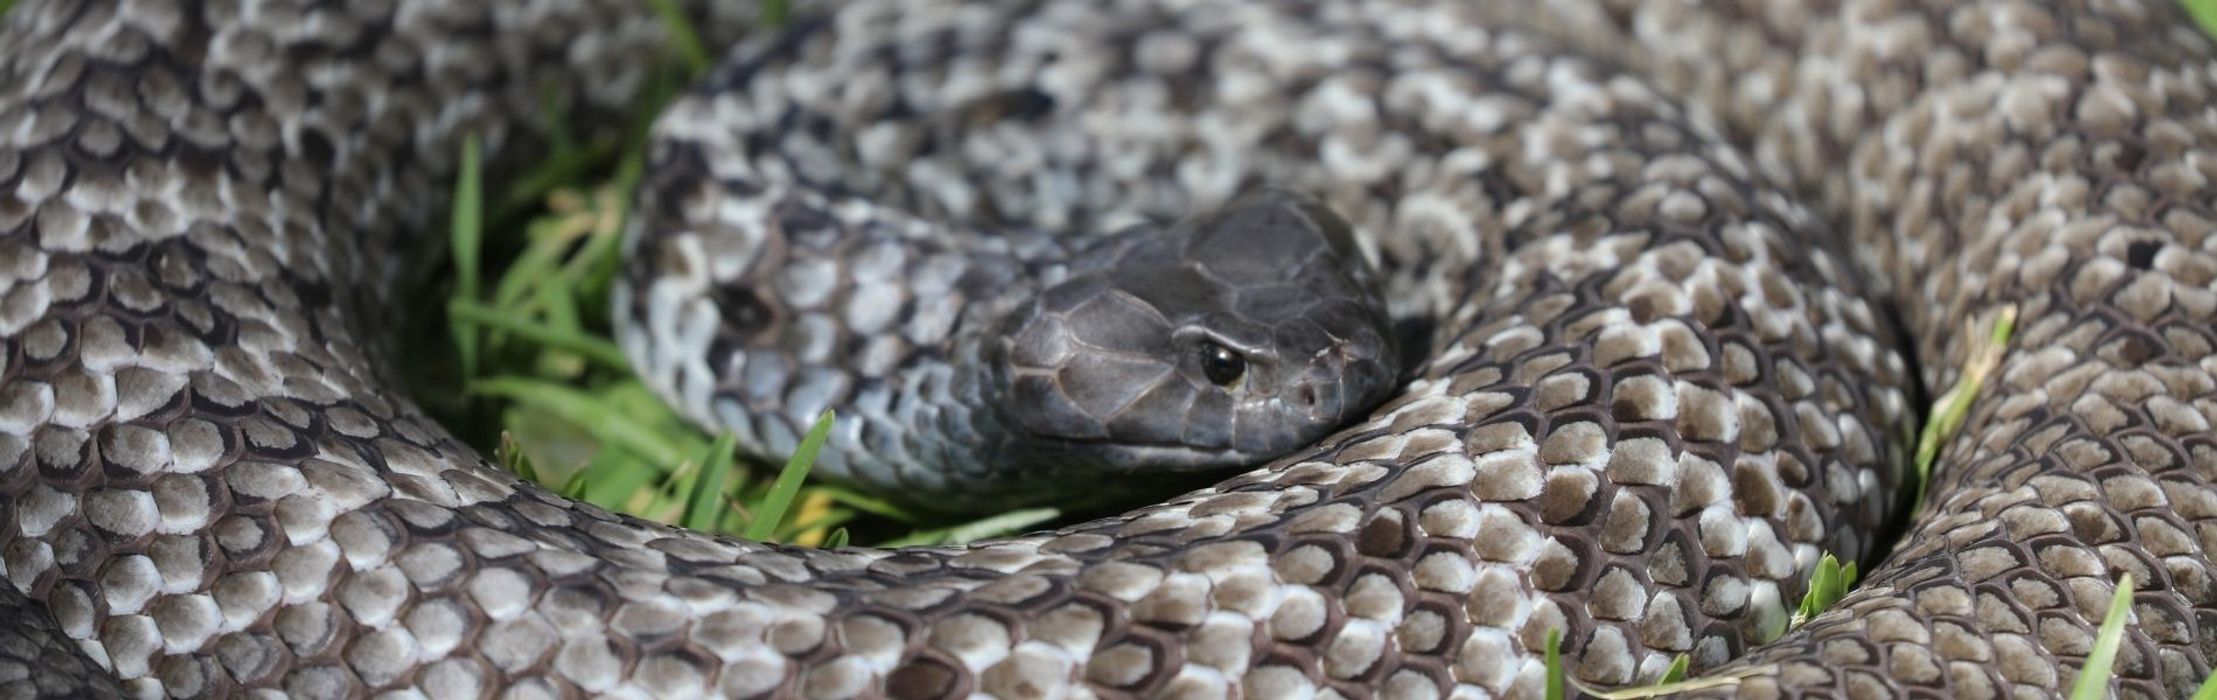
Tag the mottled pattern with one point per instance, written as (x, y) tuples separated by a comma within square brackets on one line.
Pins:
[(1655, 391), (2054, 157), (36, 660), (980, 371)]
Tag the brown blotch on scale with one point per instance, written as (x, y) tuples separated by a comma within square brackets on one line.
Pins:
[(919, 679)]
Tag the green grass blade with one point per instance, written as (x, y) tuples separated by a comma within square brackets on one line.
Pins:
[(557, 118), (2205, 14), (2101, 661), (559, 306), (775, 12), (511, 457), (838, 538), (1007, 523), (2208, 690), (612, 478), (828, 519), (1827, 585), (704, 498), (531, 187), (467, 230), (1669, 688), (590, 413), (868, 504), (788, 482), (535, 258), (1677, 670), (1555, 688), (537, 271), (545, 242), (682, 37), (1953, 407), (574, 489), (592, 348), (603, 247)]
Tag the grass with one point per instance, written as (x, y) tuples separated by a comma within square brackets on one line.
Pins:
[(1830, 580), (1554, 660), (1673, 680), (2101, 660), (1952, 408), (536, 355), (788, 481), (527, 319), (544, 317), (1827, 585), (2205, 14), (543, 385), (685, 41)]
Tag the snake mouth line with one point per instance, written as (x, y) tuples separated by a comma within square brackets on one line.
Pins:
[(1141, 458)]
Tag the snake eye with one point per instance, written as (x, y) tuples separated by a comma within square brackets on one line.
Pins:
[(1221, 365)]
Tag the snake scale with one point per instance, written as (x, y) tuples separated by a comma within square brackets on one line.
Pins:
[(1688, 266)]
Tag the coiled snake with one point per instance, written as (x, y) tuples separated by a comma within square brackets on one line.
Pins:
[(1662, 376)]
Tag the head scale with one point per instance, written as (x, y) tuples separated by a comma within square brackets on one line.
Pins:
[(1227, 339)]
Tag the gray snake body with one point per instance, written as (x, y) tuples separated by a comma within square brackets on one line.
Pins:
[(1656, 391)]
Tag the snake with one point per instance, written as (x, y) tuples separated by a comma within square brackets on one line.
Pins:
[(1223, 340), (1677, 279)]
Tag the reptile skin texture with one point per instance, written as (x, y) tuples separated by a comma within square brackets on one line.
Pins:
[(1689, 270)]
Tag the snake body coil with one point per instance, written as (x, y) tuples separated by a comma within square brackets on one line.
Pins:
[(1654, 393)]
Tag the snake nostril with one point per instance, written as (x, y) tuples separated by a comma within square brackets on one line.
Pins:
[(1306, 395)]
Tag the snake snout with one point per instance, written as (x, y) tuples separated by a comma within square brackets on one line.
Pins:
[(1316, 401), (1318, 394), (1334, 387)]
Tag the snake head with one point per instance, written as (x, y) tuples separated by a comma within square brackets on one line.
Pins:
[(1227, 339)]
